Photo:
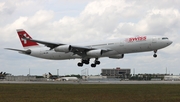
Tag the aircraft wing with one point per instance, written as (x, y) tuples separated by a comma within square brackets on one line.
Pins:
[(48, 44), (80, 50), (53, 45)]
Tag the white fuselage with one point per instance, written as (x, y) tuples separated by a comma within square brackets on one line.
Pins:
[(115, 47)]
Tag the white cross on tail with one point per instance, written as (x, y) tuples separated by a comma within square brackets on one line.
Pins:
[(24, 40)]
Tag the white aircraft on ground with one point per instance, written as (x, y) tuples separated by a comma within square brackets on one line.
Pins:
[(114, 49)]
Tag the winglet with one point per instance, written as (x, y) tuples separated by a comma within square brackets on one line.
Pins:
[(23, 36)]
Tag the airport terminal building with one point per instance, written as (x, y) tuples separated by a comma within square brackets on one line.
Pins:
[(116, 73)]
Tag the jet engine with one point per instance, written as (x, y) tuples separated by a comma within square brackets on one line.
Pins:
[(94, 53), (119, 56), (63, 48)]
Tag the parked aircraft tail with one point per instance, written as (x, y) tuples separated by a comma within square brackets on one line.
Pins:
[(50, 74)]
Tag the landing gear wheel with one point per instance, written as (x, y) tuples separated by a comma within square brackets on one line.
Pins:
[(87, 62), (155, 55), (80, 64), (93, 65), (97, 62)]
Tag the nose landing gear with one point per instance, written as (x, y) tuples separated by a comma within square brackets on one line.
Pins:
[(155, 55)]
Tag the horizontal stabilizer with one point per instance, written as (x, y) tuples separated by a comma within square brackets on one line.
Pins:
[(21, 51)]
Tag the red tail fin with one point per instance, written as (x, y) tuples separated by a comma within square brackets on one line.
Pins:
[(25, 43)]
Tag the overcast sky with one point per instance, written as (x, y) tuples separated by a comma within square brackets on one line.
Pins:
[(78, 21)]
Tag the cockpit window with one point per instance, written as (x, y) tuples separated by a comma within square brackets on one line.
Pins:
[(164, 38)]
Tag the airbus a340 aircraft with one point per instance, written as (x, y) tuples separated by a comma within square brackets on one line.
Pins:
[(114, 49)]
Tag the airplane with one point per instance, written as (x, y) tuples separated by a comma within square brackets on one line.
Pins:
[(2, 75), (52, 76), (115, 49), (64, 78), (68, 79)]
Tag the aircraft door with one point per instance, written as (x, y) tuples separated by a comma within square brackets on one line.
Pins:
[(153, 45)]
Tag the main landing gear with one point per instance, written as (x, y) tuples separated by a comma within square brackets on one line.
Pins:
[(96, 62), (86, 61), (155, 55)]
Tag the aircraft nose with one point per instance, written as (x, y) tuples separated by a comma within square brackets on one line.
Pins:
[(169, 42)]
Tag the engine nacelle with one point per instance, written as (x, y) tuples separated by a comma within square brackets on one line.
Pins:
[(119, 56), (63, 48), (94, 53)]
